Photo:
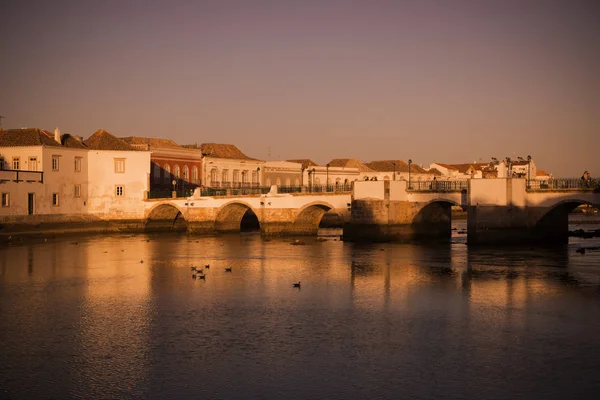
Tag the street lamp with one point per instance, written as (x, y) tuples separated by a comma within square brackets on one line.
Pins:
[(312, 183), (528, 170), (258, 176), (327, 179), (409, 162)]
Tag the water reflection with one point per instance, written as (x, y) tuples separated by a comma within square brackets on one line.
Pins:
[(121, 317)]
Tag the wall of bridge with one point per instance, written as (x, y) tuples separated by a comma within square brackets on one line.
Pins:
[(386, 211), (503, 211), (278, 214)]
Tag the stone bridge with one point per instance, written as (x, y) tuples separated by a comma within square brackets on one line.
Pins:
[(498, 211), (277, 214)]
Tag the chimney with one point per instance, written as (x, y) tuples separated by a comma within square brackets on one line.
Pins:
[(57, 134)]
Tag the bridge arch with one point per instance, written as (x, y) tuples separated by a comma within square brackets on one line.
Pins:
[(434, 219), (309, 217), (165, 216), (230, 215), (555, 219)]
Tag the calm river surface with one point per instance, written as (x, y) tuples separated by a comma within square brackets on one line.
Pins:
[(82, 317)]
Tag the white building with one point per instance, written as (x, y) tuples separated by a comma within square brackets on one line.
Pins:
[(54, 178), (224, 165), (119, 178)]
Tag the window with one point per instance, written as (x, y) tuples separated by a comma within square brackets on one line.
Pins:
[(167, 176), (77, 164), (194, 174), (288, 182), (77, 191), (5, 199), (156, 173), (119, 190), (15, 163), (186, 173), (119, 165), (55, 163), (55, 199), (176, 171), (254, 177), (236, 176), (225, 176), (32, 164), (214, 176)]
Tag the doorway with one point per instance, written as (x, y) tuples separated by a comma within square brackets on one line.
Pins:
[(30, 203)]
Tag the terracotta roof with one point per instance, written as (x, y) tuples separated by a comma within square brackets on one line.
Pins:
[(143, 143), (388, 166), (305, 163), (541, 172), (223, 151), (27, 137), (447, 166), (435, 171), (102, 140), (462, 168), (349, 163), (71, 141)]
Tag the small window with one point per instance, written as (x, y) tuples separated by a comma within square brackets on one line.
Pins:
[(5, 199), (55, 199), (119, 165), (16, 163), (32, 164), (55, 163), (77, 191), (119, 191), (77, 164), (1, 163)]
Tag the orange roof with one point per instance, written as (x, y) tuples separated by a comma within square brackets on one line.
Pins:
[(103, 140), (541, 172), (143, 142), (349, 163), (218, 150), (400, 166), (27, 137)]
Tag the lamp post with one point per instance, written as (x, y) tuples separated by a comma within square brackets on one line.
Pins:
[(258, 176), (409, 162), (327, 179), (528, 171)]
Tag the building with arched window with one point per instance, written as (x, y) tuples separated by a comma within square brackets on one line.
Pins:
[(167, 156)]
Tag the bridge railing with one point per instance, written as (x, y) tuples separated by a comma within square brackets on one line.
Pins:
[(234, 191), (563, 184), (328, 188), (438, 186)]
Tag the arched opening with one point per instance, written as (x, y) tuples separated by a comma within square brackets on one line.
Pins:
[(249, 222), (310, 219), (165, 217), (434, 221), (234, 217), (553, 226)]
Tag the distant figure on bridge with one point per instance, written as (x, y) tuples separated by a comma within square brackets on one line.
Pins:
[(586, 180), (433, 184)]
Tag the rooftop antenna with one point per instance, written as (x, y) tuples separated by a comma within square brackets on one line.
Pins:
[(1, 118)]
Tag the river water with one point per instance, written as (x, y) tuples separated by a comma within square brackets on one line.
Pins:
[(121, 317)]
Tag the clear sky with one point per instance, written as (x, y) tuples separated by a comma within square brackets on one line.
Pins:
[(434, 81)]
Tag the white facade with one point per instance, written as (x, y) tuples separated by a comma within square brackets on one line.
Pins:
[(57, 187), (65, 183), (118, 182), (227, 172)]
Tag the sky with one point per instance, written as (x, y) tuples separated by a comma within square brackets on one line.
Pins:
[(451, 81)]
